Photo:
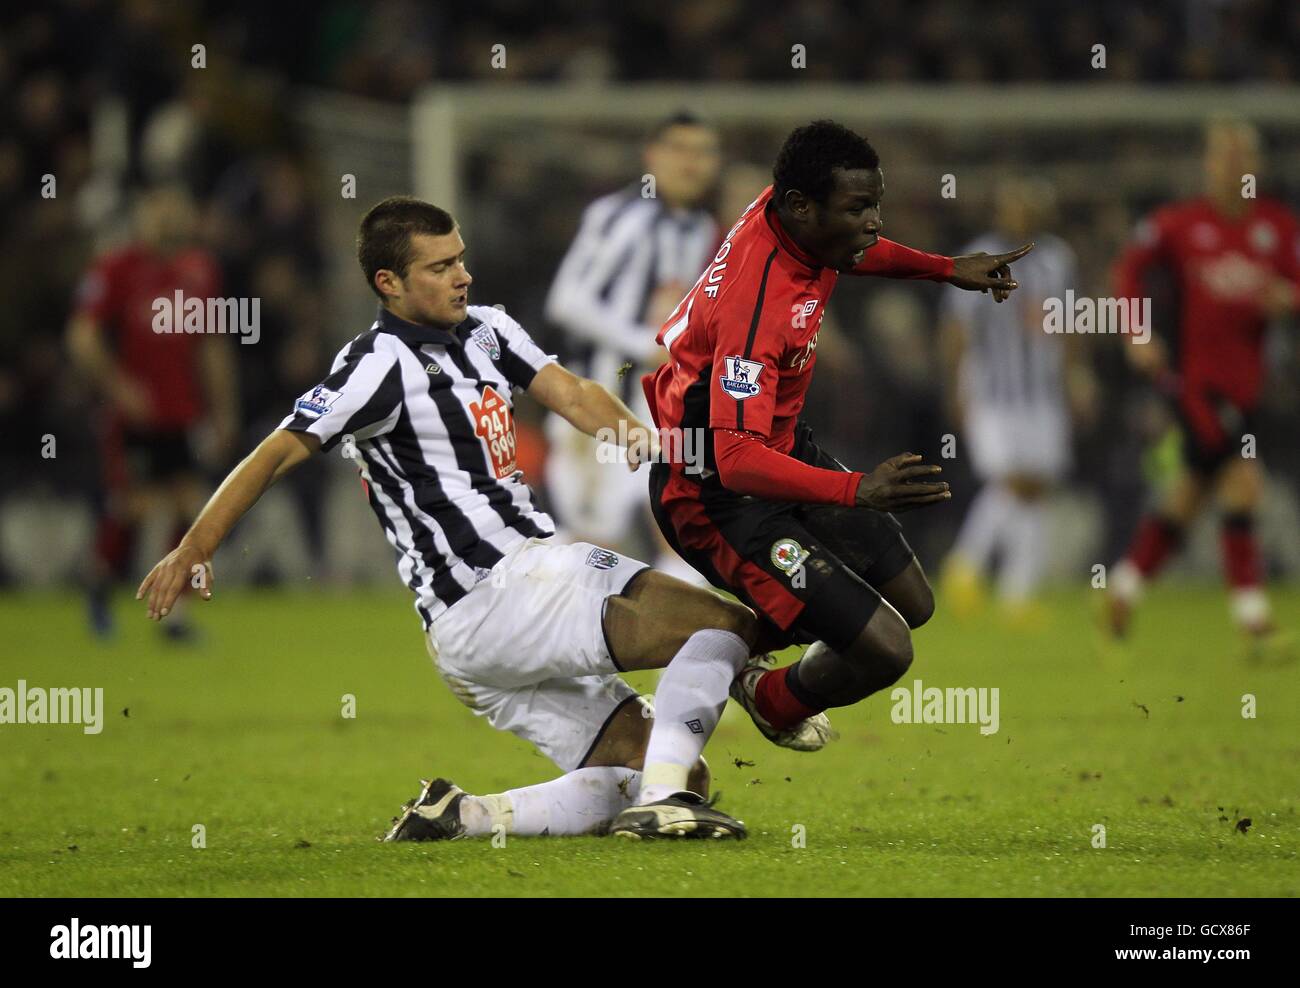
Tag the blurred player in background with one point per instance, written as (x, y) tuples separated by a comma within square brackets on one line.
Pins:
[(1237, 264), (634, 257), (1007, 380), (158, 388)]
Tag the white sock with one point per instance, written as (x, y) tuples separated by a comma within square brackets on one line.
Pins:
[(1249, 607), (1126, 582), (984, 524), (1025, 551), (582, 802), (688, 702)]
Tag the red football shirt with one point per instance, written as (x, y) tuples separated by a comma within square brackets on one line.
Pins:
[(1221, 265), (119, 293), (743, 345)]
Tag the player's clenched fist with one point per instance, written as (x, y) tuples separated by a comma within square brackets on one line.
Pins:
[(183, 566), (902, 483)]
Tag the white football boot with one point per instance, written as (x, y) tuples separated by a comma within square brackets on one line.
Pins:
[(807, 735), (683, 814)]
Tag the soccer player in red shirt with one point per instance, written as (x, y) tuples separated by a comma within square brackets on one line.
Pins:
[(764, 513), (157, 386), (1237, 265)]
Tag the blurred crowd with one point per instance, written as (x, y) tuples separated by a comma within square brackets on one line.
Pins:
[(386, 49), (101, 97), (103, 109)]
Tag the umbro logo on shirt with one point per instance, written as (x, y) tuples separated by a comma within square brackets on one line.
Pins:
[(433, 369)]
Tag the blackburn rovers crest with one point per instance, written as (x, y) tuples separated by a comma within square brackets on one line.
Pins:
[(787, 554)]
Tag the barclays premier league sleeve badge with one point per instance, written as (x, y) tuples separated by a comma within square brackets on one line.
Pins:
[(741, 379), (317, 401)]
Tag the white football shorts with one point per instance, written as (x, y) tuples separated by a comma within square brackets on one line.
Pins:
[(1006, 441), (526, 648)]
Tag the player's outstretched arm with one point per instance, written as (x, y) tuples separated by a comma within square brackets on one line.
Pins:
[(590, 407), (275, 456)]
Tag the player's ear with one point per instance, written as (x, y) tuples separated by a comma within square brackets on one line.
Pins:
[(386, 282), (796, 203)]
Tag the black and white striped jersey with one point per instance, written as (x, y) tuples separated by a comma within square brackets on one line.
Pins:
[(1009, 361), (428, 415), (626, 247)]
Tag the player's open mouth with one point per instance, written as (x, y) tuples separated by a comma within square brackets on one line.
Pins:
[(459, 300), (862, 251)]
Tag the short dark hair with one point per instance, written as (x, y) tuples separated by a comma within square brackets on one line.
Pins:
[(681, 118), (812, 152), (384, 237)]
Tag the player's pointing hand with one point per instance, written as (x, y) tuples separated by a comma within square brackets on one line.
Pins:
[(183, 566), (987, 272), (902, 483)]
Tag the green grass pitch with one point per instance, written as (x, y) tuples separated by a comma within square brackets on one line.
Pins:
[(244, 734)]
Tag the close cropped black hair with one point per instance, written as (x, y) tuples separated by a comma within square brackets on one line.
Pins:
[(812, 152), (384, 237)]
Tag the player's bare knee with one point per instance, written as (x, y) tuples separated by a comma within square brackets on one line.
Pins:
[(921, 609), (738, 619), (910, 595), (882, 653), (719, 613), (897, 659)]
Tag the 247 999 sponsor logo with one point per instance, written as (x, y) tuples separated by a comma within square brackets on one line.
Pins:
[(494, 423)]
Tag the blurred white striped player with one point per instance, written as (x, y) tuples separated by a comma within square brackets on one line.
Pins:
[(634, 257), (1008, 379)]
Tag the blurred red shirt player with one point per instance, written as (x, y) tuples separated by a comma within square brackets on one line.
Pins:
[(1236, 261), (158, 386)]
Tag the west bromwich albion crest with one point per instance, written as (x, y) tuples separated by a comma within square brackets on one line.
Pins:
[(602, 559), (487, 341), (741, 379)]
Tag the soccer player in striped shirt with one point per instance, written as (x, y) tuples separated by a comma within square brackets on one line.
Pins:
[(530, 634), (811, 546), (636, 253), (1012, 387)]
